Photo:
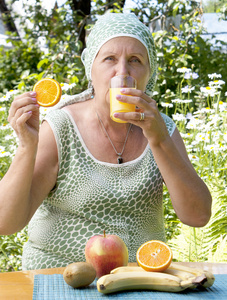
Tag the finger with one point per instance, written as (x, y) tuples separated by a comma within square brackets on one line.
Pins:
[(139, 99), (22, 100), (137, 93), (23, 118), (21, 125), (22, 111), (131, 117)]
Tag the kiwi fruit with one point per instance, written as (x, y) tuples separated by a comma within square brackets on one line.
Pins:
[(79, 274)]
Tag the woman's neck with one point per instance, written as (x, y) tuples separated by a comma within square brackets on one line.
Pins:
[(103, 113)]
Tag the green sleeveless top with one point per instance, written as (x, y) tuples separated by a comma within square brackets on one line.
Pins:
[(91, 196)]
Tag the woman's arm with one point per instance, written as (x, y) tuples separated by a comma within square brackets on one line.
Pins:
[(34, 168), (28, 181), (190, 196)]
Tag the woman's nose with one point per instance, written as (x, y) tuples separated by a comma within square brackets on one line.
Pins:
[(122, 68)]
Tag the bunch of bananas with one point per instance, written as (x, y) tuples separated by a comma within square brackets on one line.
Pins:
[(174, 279)]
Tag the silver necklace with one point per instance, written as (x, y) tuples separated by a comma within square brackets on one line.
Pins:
[(119, 154)]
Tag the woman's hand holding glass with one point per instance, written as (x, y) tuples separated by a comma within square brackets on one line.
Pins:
[(153, 126)]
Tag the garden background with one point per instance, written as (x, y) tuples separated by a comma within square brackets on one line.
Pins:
[(191, 89)]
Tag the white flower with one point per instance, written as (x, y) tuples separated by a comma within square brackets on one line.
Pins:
[(187, 89), (186, 136), (8, 95), (179, 117), (193, 157), (66, 86), (9, 137), (214, 147), (216, 84), (219, 82), (3, 99), (181, 101), (216, 136), (214, 75), (193, 123), (177, 100), (204, 111), (214, 119), (5, 127), (183, 70), (201, 137), (189, 147), (4, 153), (209, 91), (163, 104)]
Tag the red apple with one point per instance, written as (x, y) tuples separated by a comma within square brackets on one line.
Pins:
[(105, 253)]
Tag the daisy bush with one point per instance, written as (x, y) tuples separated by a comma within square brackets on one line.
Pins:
[(200, 113)]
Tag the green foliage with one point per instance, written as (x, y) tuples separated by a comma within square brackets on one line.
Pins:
[(186, 48), (11, 251), (50, 47), (179, 49), (210, 242), (181, 46), (22, 58), (214, 6)]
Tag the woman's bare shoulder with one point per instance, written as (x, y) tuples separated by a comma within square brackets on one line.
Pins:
[(80, 111)]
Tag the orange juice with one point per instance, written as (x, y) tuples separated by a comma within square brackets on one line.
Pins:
[(118, 106)]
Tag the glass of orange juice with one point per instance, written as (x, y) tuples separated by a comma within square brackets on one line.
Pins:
[(116, 84)]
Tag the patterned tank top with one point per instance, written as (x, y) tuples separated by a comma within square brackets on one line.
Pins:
[(91, 196)]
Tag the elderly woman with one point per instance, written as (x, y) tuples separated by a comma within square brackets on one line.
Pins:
[(66, 180)]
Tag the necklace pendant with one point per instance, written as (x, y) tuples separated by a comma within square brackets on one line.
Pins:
[(119, 160)]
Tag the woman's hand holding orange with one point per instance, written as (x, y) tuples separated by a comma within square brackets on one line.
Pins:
[(24, 118), (153, 126)]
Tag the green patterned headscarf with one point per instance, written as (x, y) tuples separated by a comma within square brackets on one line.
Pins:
[(113, 25)]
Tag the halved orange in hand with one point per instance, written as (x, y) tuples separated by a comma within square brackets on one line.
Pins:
[(48, 92), (154, 256)]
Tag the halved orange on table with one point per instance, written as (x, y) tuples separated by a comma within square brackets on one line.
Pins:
[(154, 256), (48, 92)]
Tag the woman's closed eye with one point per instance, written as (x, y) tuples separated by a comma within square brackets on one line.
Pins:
[(135, 59), (110, 58)]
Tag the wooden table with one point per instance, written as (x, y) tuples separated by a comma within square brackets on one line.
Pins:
[(19, 285)]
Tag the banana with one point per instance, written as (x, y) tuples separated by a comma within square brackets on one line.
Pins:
[(209, 279), (198, 277), (202, 278), (194, 271), (127, 269), (141, 281), (181, 274)]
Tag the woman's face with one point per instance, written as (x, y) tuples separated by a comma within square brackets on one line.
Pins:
[(119, 56)]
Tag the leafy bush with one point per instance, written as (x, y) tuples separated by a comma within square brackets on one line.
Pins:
[(11, 251)]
